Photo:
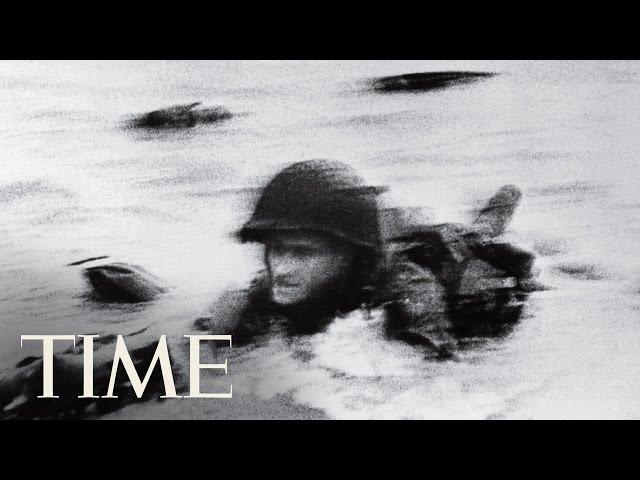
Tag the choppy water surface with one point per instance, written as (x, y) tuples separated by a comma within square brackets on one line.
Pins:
[(74, 184)]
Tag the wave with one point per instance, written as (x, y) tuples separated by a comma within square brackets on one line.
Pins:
[(31, 188)]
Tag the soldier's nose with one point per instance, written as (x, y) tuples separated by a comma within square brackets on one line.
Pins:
[(284, 267), (282, 264)]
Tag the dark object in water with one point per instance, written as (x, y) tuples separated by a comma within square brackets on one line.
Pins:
[(426, 81), (86, 260), (493, 218), (121, 282), (180, 116), (20, 386)]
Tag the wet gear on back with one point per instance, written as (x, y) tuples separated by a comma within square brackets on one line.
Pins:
[(485, 281)]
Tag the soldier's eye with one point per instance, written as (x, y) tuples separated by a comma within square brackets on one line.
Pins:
[(274, 250)]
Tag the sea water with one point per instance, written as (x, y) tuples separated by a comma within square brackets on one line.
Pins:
[(75, 184)]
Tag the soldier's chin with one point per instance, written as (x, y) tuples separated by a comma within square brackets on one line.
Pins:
[(286, 295)]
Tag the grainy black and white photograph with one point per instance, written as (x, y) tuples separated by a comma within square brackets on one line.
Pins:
[(335, 239)]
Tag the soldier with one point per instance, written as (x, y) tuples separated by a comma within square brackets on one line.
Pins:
[(324, 255)]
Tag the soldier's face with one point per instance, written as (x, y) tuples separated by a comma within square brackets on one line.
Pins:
[(304, 266)]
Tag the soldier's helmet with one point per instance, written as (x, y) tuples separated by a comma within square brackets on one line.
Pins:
[(319, 196)]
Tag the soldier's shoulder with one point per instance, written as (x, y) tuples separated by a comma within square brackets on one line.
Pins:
[(234, 311)]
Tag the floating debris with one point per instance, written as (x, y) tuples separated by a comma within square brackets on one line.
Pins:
[(426, 81), (180, 116)]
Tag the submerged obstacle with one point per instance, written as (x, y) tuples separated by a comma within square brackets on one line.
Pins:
[(426, 81), (180, 116)]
